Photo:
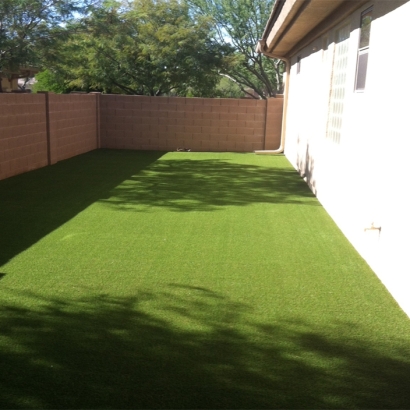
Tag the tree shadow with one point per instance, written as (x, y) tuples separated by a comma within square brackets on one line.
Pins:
[(182, 346), (186, 184), (35, 203)]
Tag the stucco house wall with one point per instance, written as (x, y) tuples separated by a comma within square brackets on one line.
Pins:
[(361, 177), (7, 85)]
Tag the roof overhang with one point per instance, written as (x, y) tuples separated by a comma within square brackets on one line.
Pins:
[(295, 23), (23, 72)]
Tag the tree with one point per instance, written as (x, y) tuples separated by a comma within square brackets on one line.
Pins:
[(50, 81), (238, 24), (150, 47), (26, 23)]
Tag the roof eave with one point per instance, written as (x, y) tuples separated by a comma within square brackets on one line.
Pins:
[(294, 22)]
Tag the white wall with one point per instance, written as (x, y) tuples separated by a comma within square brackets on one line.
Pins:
[(364, 178)]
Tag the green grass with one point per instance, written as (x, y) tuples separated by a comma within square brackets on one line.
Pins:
[(188, 280)]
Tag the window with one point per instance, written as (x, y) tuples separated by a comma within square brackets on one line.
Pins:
[(363, 52)]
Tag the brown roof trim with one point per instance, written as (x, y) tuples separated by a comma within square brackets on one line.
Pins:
[(293, 24), (277, 8), (334, 19)]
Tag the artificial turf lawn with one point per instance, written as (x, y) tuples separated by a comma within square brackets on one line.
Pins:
[(188, 280)]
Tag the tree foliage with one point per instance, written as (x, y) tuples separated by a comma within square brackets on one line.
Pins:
[(157, 47), (238, 24), (47, 80), (150, 47), (26, 26)]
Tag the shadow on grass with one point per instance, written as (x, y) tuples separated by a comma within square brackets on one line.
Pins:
[(188, 347), (206, 185), (35, 203)]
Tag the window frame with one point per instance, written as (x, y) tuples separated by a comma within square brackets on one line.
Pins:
[(363, 54)]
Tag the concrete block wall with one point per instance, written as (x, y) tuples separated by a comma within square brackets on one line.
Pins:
[(23, 133), (73, 125), (273, 129), (200, 124), (40, 129)]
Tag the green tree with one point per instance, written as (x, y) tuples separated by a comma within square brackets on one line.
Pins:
[(24, 24), (50, 81), (228, 89), (238, 24), (150, 47)]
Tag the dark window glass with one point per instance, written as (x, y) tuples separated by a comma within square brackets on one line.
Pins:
[(362, 70), (365, 25), (363, 52)]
